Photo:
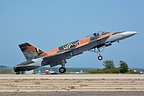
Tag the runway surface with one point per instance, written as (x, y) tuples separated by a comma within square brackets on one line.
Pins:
[(73, 76), (77, 93), (74, 84)]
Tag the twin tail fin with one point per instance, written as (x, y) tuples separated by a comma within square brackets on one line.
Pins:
[(31, 52)]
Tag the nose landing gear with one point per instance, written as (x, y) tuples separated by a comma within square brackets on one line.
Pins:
[(98, 52), (100, 57)]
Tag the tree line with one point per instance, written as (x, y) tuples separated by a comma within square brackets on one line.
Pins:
[(109, 67)]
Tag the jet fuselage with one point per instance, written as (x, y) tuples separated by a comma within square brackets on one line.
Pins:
[(36, 58)]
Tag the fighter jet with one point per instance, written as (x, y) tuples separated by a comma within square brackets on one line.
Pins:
[(36, 57)]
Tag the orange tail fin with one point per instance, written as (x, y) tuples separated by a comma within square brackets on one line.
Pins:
[(30, 51)]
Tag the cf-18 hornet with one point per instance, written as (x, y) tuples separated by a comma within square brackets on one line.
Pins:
[(36, 57)]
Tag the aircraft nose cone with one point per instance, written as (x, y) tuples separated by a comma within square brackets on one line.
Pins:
[(132, 33), (128, 33)]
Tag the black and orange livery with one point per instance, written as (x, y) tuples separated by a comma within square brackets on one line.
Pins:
[(36, 57)]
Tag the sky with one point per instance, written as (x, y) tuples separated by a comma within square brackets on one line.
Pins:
[(48, 24)]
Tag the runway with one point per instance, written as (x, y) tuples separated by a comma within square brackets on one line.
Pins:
[(90, 84), (73, 76), (73, 93)]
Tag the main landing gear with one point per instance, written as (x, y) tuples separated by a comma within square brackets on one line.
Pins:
[(63, 69), (98, 52)]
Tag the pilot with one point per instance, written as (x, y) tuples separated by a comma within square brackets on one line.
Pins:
[(95, 34)]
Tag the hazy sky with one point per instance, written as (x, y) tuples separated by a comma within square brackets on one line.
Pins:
[(51, 23)]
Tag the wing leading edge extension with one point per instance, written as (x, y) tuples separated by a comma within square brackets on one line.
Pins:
[(57, 59)]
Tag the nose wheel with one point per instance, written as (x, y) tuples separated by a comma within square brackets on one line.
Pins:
[(100, 57)]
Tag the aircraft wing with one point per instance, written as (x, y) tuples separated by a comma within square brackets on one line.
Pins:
[(56, 59)]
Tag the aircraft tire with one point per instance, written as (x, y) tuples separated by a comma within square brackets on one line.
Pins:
[(100, 57), (62, 69)]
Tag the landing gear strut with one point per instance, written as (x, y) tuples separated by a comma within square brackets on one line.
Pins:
[(99, 55), (63, 69), (98, 52)]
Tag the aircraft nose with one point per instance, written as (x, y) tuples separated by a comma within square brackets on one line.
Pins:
[(128, 33)]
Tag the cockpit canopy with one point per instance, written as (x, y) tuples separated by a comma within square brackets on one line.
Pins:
[(99, 33)]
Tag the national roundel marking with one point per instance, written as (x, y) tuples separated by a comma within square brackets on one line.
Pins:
[(98, 41)]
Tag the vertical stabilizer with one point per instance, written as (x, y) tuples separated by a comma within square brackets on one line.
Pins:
[(30, 51)]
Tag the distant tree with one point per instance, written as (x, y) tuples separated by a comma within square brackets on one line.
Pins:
[(123, 67), (109, 64), (92, 70)]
